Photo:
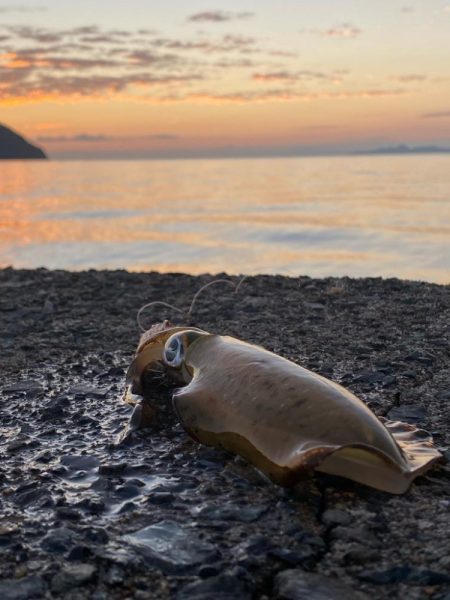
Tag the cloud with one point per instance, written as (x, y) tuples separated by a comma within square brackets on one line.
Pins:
[(345, 31), (219, 16), (89, 138), (410, 78), (275, 95), (445, 114), (225, 44), (287, 77), (21, 8), (82, 137)]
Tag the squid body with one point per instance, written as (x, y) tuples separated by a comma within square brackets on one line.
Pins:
[(282, 418)]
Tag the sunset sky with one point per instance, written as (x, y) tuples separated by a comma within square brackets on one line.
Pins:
[(142, 78)]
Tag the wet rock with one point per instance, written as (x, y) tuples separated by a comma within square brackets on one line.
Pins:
[(82, 391), (79, 553), (31, 497), (80, 462), (253, 550), (29, 386), (294, 556), (127, 491), (357, 534), (230, 512), (72, 576), (112, 469), (295, 584), (22, 589), (405, 574), (334, 516), (220, 587), (409, 413), (370, 377), (170, 547), (58, 541), (421, 357)]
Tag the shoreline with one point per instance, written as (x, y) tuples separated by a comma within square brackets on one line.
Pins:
[(71, 497)]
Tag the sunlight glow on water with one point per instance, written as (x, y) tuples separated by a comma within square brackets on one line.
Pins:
[(359, 216)]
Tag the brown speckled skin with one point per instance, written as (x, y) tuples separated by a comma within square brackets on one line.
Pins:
[(286, 419)]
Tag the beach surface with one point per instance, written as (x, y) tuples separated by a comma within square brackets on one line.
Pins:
[(164, 517)]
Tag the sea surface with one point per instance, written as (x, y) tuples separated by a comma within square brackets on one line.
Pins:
[(330, 216)]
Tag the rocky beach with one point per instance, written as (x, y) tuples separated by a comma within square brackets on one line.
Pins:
[(164, 517)]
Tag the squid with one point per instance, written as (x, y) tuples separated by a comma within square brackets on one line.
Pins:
[(285, 420)]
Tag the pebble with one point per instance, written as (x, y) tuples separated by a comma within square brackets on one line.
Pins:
[(409, 413), (22, 589), (58, 541), (230, 512), (295, 584), (28, 386), (334, 516), (72, 576), (219, 587), (405, 574), (80, 462), (171, 547)]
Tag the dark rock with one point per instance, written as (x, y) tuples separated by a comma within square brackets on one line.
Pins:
[(161, 498), (87, 391), (295, 584), (72, 576), (79, 553), (31, 497), (127, 491), (370, 377), (230, 512), (80, 462), (22, 589), (294, 556), (220, 587), (409, 413), (357, 534), (334, 516), (421, 357), (28, 386), (405, 574), (112, 470), (58, 541), (171, 547)]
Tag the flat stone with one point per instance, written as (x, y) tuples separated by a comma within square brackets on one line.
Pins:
[(76, 462), (294, 584), (230, 512), (22, 589), (370, 377), (334, 516), (87, 390), (72, 576), (170, 547), (405, 574), (29, 386), (58, 541), (220, 587), (409, 413)]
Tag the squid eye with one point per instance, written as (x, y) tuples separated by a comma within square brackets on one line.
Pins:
[(173, 352)]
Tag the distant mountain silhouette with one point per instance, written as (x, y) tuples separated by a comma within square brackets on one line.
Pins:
[(13, 145), (404, 149)]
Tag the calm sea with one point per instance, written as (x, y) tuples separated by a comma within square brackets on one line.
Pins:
[(357, 216)]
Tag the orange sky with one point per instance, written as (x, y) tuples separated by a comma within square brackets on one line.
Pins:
[(135, 79)]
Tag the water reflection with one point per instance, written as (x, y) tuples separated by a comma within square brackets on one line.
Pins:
[(355, 216)]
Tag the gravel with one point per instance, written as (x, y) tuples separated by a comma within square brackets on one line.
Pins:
[(163, 517)]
